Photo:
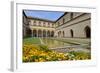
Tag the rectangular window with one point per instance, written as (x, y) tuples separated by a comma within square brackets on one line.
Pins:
[(29, 22), (39, 23), (58, 23), (63, 20), (48, 24), (34, 21), (71, 16), (44, 24)]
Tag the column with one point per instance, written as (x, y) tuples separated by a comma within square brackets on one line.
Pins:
[(32, 33), (42, 33), (46, 33), (50, 34), (37, 33)]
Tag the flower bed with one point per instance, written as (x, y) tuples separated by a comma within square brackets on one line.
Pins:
[(41, 53)]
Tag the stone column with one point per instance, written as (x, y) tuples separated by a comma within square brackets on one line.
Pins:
[(46, 33), (32, 33), (37, 33), (50, 34), (42, 33)]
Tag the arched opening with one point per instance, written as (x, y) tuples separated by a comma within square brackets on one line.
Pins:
[(28, 32), (71, 31), (48, 33), (63, 34), (52, 33), (58, 33), (88, 32), (34, 33), (39, 33), (44, 33)]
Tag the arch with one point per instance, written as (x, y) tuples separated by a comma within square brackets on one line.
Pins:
[(44, 33), (34, 33), (72, 33), (52, 33), (88, 32), (28, 32), (48, 33), (59, 33), (39, 33)]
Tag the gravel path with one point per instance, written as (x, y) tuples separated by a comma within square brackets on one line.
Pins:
[(64, 50)]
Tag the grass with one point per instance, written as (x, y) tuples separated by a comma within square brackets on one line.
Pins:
[(31, 41)]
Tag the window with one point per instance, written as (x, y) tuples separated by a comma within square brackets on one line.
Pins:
[(34, 21), (72, 33), (58, 23), (63, 20), (71, 16), (88, 32), (29, 22), (44, 24), (39, 23), (48, 24)]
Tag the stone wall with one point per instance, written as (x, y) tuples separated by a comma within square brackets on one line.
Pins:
[(75, 27)]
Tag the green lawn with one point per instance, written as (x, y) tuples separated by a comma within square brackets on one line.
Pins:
[(31, 41)]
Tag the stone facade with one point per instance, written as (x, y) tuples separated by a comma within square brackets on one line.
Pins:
[(69, 25), (37, 27), (74, 25)]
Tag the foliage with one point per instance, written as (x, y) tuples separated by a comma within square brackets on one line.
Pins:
[(41, 53), (79, 55)]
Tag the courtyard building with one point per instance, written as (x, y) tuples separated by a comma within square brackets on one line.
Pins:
[(69, 25)]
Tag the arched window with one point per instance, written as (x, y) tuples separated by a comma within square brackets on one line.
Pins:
[(71, 31), (88, 32)]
